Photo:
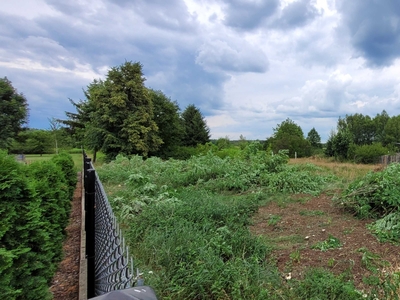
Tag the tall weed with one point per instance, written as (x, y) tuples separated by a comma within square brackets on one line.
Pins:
[(187, 219)]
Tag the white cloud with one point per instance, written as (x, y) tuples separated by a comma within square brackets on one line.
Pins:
[(248, 65), (231, 55)]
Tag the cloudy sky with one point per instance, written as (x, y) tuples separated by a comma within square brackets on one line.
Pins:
[(247, 64)]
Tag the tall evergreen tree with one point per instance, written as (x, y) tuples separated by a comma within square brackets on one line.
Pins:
[(196, 130), (13, 112), (314, 138)]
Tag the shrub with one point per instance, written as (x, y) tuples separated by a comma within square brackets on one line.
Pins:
[(51, 188), (368, 154), (66, 163), (34, 211), (374, 195), (24, 267), (387, 228)]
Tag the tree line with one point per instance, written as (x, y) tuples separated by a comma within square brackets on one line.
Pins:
[(357, 137), (121, 115)]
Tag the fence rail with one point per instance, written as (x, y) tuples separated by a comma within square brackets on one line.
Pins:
[(109, 265)]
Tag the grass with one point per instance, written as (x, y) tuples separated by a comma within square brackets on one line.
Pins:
[(348, 172), (30, 158), (187, 223)]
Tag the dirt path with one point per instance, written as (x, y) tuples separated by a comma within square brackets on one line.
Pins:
[(65, 284), (296, 227)]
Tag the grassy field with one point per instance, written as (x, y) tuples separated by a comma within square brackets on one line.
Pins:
[(348, 172), (77, 157)]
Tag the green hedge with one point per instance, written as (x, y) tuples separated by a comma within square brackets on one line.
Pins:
[(34, 210)]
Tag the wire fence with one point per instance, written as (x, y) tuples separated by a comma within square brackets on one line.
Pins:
[(110, 267)]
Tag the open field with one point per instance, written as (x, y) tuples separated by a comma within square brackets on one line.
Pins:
[(346, 171), (212, 228)]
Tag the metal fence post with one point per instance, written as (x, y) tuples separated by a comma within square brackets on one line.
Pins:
[(90, 196)]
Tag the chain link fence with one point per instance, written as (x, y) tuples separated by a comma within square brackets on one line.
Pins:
[(110, 266)]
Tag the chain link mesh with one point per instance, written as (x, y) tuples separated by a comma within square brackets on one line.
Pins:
[(113, 265)]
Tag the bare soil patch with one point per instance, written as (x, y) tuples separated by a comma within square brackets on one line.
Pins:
[(297, 226), (65, 284)]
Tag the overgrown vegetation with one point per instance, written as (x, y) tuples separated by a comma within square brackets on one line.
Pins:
[(374, 195), (377, 195), (35, 205), (187, 223)]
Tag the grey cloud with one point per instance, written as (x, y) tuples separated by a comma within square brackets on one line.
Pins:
[(234, 55), (27, 39), (71, 7), (15, 26), (374, 29), (188, 83), (249, 14), (165, 15), (296, 14)]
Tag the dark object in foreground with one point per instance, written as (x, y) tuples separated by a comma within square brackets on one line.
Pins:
[(135, 293)]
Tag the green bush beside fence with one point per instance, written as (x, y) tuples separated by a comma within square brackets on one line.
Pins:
[(34, 210)]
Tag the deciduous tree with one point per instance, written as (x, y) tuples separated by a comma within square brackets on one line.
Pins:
[(169, 123), (392, 130), (288, 135), (380, 122), (13, 112)]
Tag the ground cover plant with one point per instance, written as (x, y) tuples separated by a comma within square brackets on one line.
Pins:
[(194, 230)]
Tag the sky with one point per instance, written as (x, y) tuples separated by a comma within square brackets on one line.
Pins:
[(248, 65)]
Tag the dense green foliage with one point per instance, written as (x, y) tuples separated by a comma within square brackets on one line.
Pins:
[(120, 115), (314, 138), (368, 154), (363, 139), (169, 123), (13, 112), (39, 141), (187, 220), (377, 195), (196, 130), (289, 136), (33, 141), (374, 195), (322, 285), (35, 204)]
